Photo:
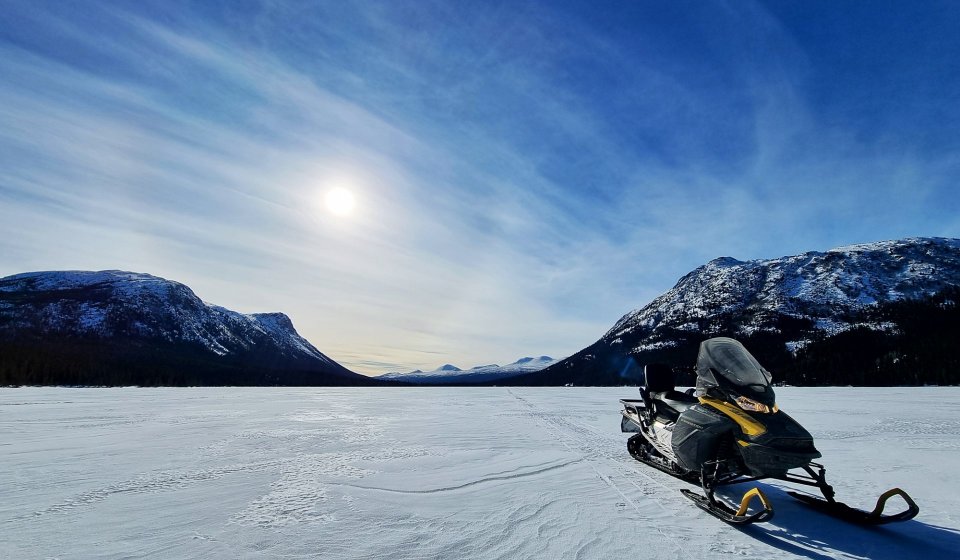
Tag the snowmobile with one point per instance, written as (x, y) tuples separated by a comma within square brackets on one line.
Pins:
[(729, 430)]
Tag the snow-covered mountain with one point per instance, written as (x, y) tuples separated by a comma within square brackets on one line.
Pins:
[(131, 312), (827, 289), (792, 300), (451, 374)]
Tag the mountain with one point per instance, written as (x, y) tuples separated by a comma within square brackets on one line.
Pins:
[(448, 374), (842, 316), (116, 328)]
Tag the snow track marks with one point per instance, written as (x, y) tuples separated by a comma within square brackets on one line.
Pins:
[(605, 454)]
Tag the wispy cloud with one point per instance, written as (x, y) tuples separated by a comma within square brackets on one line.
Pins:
[(524, 176)]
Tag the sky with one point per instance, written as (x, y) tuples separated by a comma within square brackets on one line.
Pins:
[(523, 173)]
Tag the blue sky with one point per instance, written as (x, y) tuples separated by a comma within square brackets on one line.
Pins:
[(524, 173)]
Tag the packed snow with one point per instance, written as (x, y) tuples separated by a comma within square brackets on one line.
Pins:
[(404, 473)]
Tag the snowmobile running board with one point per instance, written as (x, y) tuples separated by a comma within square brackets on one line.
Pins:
[(858, 516), (725, 513)]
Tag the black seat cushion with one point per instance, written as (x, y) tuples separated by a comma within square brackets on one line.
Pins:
[(685, 397), (670, 404)]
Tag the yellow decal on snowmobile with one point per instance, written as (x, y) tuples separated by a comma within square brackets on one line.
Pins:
[(749, 426), (743, 443)]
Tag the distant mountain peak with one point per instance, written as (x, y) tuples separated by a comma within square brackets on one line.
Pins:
[(275, 319), (477, 374), (725, 262), (529, 359)]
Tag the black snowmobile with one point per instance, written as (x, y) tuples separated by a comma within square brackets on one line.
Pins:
[(730, 431)]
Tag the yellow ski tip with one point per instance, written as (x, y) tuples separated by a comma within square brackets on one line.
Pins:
[(749, 496), (882, 502)]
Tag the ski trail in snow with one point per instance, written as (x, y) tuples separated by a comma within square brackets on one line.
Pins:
[(630, 468), (483, 480), (566, 433), (146, 483), (587, 443)]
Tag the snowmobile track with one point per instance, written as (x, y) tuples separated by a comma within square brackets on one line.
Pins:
[(603, 452)]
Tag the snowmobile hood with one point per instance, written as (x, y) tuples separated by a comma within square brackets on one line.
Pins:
[(724, 363)]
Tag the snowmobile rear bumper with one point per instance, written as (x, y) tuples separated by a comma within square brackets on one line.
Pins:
[(629, 425)]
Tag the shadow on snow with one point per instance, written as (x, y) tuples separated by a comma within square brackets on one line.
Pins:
[(805, 532)]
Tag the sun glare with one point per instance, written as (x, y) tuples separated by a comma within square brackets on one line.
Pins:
[(340, 201)]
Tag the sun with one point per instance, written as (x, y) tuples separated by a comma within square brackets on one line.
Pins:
[(340, 201)]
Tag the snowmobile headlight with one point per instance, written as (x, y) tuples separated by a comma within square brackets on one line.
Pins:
[(752, 405)]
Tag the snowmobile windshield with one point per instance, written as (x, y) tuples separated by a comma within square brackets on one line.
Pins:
[(728, 359)]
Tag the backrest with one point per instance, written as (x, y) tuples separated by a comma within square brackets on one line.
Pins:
[(658, 378)]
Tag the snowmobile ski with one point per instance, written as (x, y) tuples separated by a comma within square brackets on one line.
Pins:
[(859, 516), (740, 516)]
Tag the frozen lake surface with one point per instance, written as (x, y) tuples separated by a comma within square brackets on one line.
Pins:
[(453, 473)]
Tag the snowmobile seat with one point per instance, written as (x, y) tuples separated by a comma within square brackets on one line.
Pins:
[(656, 378), (671, 403), (660, 386), (683, 400)]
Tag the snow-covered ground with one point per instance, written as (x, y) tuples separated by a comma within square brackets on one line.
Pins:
[(454, 473)]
